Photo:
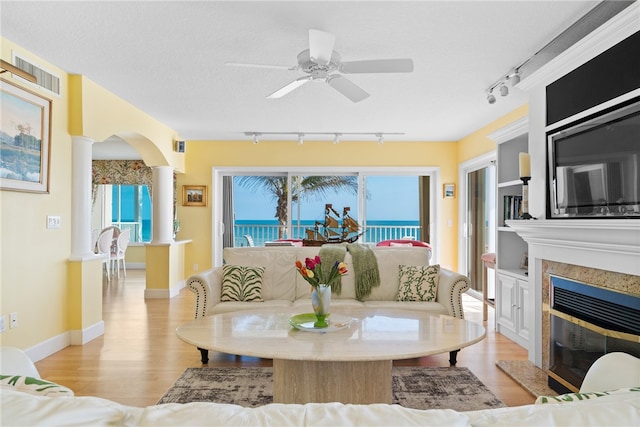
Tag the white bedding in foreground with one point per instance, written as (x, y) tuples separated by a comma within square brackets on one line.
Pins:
[(21, 409)]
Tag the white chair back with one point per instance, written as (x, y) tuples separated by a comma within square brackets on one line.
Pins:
[(611, 372), (105, 240), (119, 252), (105, 243), (14, 361), (123, 241)]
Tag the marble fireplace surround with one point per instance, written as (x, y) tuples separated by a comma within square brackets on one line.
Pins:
[(604, 253)]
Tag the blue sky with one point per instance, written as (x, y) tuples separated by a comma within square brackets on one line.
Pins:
[(391, 198)]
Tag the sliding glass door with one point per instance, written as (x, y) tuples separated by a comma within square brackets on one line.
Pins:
[(260, 206)]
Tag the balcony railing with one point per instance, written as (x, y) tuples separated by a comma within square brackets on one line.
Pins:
[(261, 233)]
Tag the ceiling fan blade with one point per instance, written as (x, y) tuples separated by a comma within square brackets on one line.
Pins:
[(321, 46), (242, 64), (401, 65), (347, 88), (289, 88)]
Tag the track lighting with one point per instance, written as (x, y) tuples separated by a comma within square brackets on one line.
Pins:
[(490, 98), (337, 136), (516, 78), (504, 90)]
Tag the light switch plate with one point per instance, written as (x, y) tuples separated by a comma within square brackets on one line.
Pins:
[(53, 221)]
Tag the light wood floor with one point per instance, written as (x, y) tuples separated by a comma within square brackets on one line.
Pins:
[(139, 356)]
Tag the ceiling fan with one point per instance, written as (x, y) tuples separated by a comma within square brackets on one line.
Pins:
[(322, 64)]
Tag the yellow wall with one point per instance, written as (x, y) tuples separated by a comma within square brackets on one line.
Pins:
[(201, 156), (92, 103), (52, 295), (478, 143), (33, 277)]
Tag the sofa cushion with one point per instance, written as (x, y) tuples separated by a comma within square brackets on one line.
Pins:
[(389, 260), (280, 269), (241, 283), (418, 282), (35, 386)]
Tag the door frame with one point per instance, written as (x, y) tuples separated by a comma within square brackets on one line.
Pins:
[(472, 165)]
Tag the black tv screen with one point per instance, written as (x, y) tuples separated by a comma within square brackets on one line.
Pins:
[(594, 166)]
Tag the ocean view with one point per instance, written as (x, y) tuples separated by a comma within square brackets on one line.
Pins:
[(267, 230)]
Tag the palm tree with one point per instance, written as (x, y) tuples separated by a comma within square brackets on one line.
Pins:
[(303, 187)]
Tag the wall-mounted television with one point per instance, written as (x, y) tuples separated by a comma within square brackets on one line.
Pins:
[(594, 165)]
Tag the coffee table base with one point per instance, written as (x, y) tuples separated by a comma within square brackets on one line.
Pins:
[(302, 381)]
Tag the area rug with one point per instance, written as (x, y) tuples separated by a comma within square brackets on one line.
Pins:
[(413, 387)]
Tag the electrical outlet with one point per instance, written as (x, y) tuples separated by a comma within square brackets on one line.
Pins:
[(3, 321), (13, 320), (53, 221)]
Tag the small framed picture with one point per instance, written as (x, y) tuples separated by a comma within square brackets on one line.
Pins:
[(194, 195), (449, 191), (524, 262)]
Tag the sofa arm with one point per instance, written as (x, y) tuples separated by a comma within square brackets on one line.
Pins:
[(451, 285), (207, 286)]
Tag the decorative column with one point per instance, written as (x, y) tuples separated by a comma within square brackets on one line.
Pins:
[(81, 197), (84, 294), (162, 204)]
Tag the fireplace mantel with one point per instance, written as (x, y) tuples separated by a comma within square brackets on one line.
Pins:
[(608, 244), (603, 244)]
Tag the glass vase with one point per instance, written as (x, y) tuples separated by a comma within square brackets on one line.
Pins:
[(321, 301)]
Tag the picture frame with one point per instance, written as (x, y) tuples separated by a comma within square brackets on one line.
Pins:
[(25, 141), (449, 191), (524, 262), (194, 195)]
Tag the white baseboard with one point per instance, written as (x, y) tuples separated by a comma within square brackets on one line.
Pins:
[(84, 336), (48, 347), (65, 339), (164, 293), (136, 266)]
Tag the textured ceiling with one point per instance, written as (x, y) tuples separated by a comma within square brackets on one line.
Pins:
[(168, 59)]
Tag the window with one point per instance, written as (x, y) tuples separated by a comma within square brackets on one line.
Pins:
[(386, 203), (131, 208)]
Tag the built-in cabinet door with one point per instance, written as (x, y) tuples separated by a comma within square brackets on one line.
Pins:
[(506, 303), (512, 308)]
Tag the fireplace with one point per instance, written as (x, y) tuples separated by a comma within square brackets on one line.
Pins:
[(585, 322)]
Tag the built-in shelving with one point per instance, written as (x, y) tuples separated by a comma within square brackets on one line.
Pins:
[(512, 282)]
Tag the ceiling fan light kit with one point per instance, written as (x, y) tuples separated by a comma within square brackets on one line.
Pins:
[(322, 64)]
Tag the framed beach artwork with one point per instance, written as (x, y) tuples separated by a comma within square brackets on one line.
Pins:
[(194, 195), (449, 191), (25, 139)]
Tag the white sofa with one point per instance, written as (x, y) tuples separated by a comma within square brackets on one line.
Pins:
[(283, 286), (22, 409), (26, 406)]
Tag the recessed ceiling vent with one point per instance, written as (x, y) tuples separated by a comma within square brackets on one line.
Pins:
[(44, 79)]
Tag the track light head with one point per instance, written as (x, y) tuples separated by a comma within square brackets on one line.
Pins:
[(490, 98), (380, 138), (300, 141), (516, 78), (504, 90), (336, 138), (255, 138)]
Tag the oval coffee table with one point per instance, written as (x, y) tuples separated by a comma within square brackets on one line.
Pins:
[(348, 365)]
